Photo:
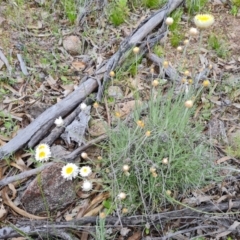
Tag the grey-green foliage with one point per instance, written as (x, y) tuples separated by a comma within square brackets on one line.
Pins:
[(174, 136)]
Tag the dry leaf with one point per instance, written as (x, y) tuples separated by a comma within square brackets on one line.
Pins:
[(95, 211), (50, 80), (97, 200), (14, 191), (124, 231), (18, 210), (78, 65), (126, 107), (230, 229), (135, 236), (223, 159), (3, 212)]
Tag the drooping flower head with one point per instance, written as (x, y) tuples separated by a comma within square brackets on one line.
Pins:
[(122, 195), (87, 186), (169, 21), (43, 152), (188, 103), (85, 171), (193, 32), (203, 21), (83, 106), (70, 171), (59, 122), (140, 124)]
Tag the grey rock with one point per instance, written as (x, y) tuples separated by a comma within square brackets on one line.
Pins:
[(48, 191), (115, 92)]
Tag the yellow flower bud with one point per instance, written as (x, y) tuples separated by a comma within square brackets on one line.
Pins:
[(169, 21), (84, 155), (112, 74), (165, 64), (165, 161), (168, 192), (136, 50), (206, 83), (148, 133), (188, 103), (155, 83)]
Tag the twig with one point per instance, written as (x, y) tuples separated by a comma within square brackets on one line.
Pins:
[(73, 155), (22, 64), (31, 227), (4, 59), (23, 175)]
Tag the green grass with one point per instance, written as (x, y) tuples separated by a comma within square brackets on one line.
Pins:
[(173, 136), (153, 3), (234, 10), (118, 12), (218, 44), (195, 6), (176, 36), (236, 3)]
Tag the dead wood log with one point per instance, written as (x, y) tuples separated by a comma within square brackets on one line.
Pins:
[(43, 123), (48, 117), (33, 227)]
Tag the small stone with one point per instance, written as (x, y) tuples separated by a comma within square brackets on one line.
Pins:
[(48, 191), (72, 44), (115, 92), (97, 127)]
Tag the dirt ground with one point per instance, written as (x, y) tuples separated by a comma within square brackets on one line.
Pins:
[(53, 72)]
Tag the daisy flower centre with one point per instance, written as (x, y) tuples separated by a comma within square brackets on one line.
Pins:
[(203, 18), (69, 170), (42, 154), (85, 171)]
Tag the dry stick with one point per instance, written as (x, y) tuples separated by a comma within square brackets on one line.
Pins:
[(4, 59), (170, 72), (169, 236), (23, 175), (31, 227), (22, 65)]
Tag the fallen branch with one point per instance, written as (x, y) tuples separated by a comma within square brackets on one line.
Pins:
[(33, 227), (48, 117)]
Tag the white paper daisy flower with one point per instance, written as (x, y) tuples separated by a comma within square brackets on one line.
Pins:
[(70, 171), (43, 152), (203, 20), (87, 186), (59, 122), (83, 106), (42, 146), (85, 171)]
